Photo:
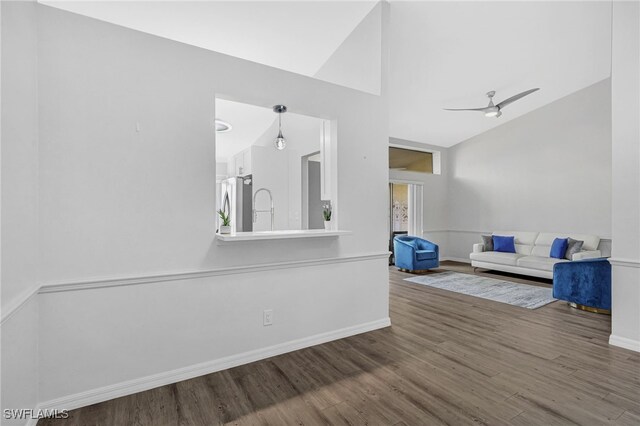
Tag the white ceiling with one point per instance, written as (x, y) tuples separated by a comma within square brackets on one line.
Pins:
[(255, 125), (249, 123), (443, 54), (449, 54), (294, 36)]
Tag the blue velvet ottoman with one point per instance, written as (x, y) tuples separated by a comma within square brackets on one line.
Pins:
[(585, 284)]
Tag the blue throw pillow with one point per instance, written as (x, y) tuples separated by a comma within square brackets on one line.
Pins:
[(559, 248), (504, 244)]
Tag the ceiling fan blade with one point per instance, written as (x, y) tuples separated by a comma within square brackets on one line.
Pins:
[(465, 109), (516, 97)]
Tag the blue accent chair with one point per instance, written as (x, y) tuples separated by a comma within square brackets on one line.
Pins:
[(415, 254), (586, 284)]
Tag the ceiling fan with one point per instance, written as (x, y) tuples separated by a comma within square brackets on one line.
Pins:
[(492, 110)]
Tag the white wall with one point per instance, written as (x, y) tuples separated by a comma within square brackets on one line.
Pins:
[(19, 150), (112, 189), (133, 333), (357, 61), (105, 185), (19, 167), (626, 175), (549, 170), (19, 360), (119, 203)]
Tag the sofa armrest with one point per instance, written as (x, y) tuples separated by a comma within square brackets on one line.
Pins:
[(402, 248), (422, 244), (591, 254), (478, 248)]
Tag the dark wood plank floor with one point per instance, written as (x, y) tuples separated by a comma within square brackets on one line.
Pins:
[(447, 359)]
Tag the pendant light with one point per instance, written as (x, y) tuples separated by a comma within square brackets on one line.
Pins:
[(280, 141)]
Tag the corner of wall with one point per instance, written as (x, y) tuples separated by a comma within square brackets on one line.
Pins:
[(19, 212)]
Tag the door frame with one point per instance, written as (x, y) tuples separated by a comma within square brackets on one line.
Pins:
[(304, 208), (415, 199)]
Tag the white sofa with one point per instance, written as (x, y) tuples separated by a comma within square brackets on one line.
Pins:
[(532, 253)]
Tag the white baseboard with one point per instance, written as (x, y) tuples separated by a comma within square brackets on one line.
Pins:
[(624, 342), (456, 259), (129, 387)]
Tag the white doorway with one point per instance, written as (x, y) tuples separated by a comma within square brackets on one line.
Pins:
[(312, 192), (405, 210)]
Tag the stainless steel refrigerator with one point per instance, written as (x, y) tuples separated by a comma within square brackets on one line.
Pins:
[(236, 193)]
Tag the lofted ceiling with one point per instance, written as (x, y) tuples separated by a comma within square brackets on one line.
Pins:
[(290, 35), (449, 54), (443, 54)]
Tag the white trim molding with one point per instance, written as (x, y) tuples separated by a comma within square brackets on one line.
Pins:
[(459, 231), (245, 269), (455, 259), (629, 263), (406, 181), (464, 231), (57, 287), (624, 342), (129, 387), (17, 304)]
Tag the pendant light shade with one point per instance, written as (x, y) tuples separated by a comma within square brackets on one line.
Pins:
[(280, 142)]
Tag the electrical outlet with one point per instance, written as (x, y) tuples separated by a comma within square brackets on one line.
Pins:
[(267, 317)]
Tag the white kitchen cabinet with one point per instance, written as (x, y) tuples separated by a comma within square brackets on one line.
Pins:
[(247, 154), (240, 164), (239, 160), (231, 167)]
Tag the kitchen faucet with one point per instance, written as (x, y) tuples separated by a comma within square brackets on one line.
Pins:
[(255, 212)]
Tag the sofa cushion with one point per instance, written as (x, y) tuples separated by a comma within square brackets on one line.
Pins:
[(538, 262), (573, 247), (505, 244), (487, 241), (541, 251), (591, 242), (425, 254), (526, 238), (523, 249), (559, 248), (496, 257)]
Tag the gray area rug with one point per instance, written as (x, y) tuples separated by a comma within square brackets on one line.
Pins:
[(523, 295)]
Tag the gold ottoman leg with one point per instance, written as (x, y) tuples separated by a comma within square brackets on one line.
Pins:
[(590, 309)]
